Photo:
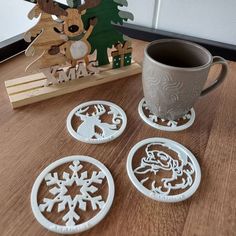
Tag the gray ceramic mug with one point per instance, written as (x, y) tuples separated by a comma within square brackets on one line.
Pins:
[(174, 74)]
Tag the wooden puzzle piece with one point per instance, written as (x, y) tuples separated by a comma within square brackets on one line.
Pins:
[(30, 89)]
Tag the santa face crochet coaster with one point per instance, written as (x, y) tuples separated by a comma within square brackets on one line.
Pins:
[(163, 170)]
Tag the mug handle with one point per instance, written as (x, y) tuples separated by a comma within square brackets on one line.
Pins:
[(221, 77)]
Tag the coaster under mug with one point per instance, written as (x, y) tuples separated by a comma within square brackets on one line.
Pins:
[(174, 74), (165, 125)]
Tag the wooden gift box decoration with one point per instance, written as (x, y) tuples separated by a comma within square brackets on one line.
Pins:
[(71, 50), (123, 55)]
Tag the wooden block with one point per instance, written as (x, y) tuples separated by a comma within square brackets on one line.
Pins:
[(31, 89)]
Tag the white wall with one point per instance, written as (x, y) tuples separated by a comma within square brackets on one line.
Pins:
[(144, 12), (210, 19), (13, 18)]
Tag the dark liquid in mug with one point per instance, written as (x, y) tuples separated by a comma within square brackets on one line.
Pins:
[(178, 55), (176, 61)]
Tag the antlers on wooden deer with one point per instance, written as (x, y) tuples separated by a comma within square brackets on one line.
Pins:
[(50, 7), (88, 4)]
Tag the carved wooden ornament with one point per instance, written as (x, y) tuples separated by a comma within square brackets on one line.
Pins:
[(66, 42), (70, 46)]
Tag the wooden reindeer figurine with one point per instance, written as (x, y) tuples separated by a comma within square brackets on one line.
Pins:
[(77, 47)]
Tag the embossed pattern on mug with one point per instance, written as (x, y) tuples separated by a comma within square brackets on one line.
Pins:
[(170, 94)]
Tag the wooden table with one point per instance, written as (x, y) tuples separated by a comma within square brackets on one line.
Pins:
[(34, 136)]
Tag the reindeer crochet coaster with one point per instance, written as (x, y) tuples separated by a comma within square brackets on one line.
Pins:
[(96, 122), (71, 52)]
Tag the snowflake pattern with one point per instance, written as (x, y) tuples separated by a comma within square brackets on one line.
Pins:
[(170, 123), (62, 198), (162, 124)]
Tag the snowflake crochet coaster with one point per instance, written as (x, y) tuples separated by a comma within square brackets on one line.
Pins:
[(66, 198), (166, 125), (96, 122), (163, 170)]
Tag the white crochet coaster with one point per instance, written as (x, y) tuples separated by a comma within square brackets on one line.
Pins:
[(163, 170), (96, 122), (67, 197), (165, 125)]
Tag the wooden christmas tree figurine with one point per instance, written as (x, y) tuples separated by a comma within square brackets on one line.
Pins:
[(105, 35), (72, 51)]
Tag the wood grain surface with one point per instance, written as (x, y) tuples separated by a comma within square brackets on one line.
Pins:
[(34, 136)]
